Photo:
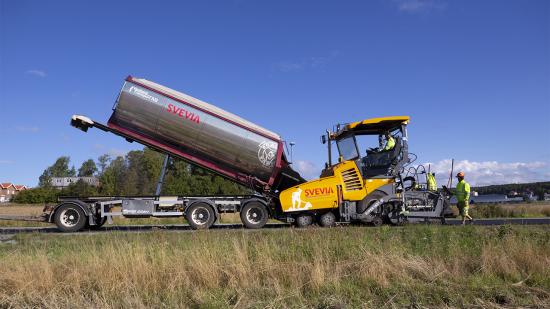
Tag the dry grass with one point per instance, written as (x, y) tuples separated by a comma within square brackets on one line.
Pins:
[(21, 209), (519, 210), (355, 267)]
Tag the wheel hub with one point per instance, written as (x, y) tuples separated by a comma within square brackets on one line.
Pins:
[(200, 215), (253, 215), (69, 217)]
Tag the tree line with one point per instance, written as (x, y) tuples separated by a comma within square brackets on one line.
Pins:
[(136, 173), (538, 188)]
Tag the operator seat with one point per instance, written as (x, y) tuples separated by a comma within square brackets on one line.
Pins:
[(380, 163)]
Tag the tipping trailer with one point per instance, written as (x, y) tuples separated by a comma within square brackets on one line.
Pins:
[(202, 134)]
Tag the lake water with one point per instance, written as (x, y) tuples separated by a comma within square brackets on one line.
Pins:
[(491, 198)]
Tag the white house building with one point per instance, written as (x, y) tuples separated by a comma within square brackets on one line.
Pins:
[(63, 182)]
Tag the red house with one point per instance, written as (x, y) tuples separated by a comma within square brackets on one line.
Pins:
[(8, 190)]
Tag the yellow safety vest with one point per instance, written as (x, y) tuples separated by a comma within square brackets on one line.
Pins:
[(390, 143), (432, 185), (462, 191)]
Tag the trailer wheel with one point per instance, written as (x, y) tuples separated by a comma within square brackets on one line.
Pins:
[(254, 215), (304, 220), (99, 223), (200, 216), (327, 220), (70, 218)]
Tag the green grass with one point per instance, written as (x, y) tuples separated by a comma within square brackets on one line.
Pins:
[(417, 265)]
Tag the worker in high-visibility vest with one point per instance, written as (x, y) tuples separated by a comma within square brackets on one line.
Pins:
[(390, 142), (462, 193), (430, 180)]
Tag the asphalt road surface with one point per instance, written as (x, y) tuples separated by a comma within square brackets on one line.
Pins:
[(185, 227)]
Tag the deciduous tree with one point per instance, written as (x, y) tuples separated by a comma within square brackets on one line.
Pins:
[(59, 169), (87, 169)]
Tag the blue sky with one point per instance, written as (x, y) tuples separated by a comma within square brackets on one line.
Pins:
[(473, 75)]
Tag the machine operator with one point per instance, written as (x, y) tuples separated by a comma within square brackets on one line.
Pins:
[(390, 142)]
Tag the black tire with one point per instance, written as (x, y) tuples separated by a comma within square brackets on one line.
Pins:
[(99, 223), (70, 218), (395, 217), (304, 220), (200, 216), (377, 221), (327, 220), (254, 215)]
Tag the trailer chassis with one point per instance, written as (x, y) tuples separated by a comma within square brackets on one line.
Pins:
[(201, 212)]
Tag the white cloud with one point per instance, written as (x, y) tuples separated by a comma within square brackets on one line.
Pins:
[(37, 73), (492, 172), (307, 169), (113, 152), (418, 6), (305, 64), (31, 129), (478, 173), (287, 66)]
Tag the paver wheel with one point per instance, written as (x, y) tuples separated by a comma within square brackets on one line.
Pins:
[(377, 221), (304, 220), (396, 218), (327, 220)]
